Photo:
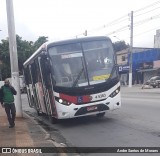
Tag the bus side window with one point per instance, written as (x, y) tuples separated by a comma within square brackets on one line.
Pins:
[(45, 66), (34, 73), (39, 78), (26, 75)]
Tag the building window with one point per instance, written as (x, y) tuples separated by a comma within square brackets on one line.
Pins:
[(123, 58)]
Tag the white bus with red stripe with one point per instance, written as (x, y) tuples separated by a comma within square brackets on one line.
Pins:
[(73, 78)]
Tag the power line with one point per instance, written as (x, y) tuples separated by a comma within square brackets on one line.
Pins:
[(147, 7), (143, 32), (146, 31), (146, 20), (139, 23), (104, 26), (119, 20), (119, 30), (123, 18), (147, 12), (135, 24)]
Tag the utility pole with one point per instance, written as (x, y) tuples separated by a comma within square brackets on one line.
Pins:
[(13, 56), (0, 68), (85, 33), (131, 47)]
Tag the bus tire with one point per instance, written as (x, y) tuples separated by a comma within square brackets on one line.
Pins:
[(38, 113), (53, 120), (100, 115)]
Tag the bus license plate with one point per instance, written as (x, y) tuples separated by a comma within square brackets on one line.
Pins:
[(91, 108)]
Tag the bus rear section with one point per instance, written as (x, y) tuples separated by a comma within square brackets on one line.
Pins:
[(73, 78)]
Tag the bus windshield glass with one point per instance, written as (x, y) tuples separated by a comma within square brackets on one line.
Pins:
[(82, 64)]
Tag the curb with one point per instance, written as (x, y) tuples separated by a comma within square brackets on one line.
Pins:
[(47, 135)]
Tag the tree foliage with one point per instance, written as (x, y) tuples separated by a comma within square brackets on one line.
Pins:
[(39, 42), (24, 51), (120, 45)]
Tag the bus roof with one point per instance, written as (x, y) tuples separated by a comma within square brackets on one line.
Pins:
[(47, 45)]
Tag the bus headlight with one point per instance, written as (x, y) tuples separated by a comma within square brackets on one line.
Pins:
[(62, 101), (113, 94)]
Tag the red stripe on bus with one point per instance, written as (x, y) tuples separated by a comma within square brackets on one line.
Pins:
[(86, 98), (72, 99)]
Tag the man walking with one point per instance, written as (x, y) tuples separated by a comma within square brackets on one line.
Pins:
[(7, 93)]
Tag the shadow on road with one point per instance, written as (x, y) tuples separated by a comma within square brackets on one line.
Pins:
[(87, 120)]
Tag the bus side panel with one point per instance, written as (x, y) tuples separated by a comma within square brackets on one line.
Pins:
[(45, 87), (40, 97), (36, 99), (52, 102), (29, 97)]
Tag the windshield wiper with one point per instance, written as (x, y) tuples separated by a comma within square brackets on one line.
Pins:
[(79, 75)]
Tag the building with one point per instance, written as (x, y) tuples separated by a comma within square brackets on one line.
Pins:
[(122, 61), (145, 64)]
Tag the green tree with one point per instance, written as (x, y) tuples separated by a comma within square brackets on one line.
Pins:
[(24, 51), (5, 59), (39, 42), (120, 45)]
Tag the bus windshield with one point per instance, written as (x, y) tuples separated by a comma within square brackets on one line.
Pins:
[(82, 64)]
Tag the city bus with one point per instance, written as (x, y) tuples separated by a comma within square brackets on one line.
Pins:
[(73, 78)]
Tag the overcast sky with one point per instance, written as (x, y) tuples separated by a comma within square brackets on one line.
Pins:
[(61, 19)]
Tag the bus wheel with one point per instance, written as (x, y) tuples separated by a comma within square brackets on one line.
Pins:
[(100, 115), (53, 120), (39, 114)]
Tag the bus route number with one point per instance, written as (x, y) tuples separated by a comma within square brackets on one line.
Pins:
[(100, 96)]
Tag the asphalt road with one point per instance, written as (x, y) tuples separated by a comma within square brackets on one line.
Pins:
[(136, 124)]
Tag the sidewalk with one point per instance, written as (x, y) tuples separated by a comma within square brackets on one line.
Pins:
[(26, 133)]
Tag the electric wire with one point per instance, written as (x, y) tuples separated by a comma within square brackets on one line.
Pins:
[(142, 33), (146, 12), (145, 31), (123, 18), (135, 24), (118, 30), (117, 21), (146, 7), (146, 20)]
